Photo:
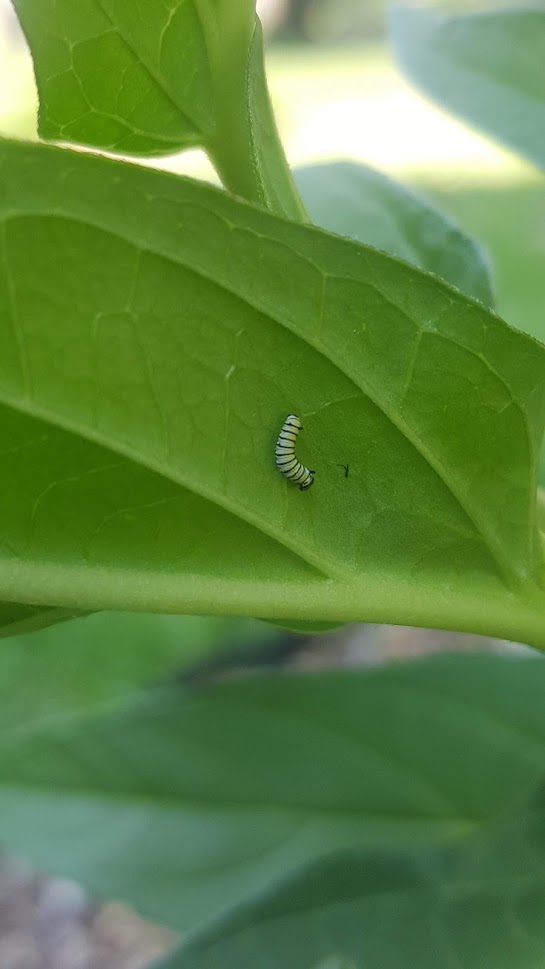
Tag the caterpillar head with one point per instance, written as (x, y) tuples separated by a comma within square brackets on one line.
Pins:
[(307, 484)]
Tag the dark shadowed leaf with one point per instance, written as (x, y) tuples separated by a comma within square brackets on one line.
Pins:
[(188, 803), (106, 657), (17, 618), (479, 906)]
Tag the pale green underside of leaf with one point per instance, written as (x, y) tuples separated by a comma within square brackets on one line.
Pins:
[(477, 907), (486, 68), (362, 203), (189, 803), (155, 334)]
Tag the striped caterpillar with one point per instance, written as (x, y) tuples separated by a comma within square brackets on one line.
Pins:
[(286, 462)]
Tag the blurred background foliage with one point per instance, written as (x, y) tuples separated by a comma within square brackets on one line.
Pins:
[(334, 21)]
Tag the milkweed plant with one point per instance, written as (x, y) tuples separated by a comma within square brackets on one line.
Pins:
[(163, 341)]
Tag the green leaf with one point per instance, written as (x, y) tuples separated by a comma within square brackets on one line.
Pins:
[(105, 658), (17, 618), (486, 68), (189, 803), (155, 333), (357, 201), (506, 217), (477, 907), (158, 78), (107, 75)]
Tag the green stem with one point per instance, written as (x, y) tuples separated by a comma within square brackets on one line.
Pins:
[(245, 147)]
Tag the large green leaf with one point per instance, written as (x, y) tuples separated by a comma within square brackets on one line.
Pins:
[(477, 907), (154, 335), (357, 201), (189, 803), (157, 76), (485, 67)]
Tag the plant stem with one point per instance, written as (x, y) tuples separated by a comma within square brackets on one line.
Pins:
[(495, 612), (245, 148)]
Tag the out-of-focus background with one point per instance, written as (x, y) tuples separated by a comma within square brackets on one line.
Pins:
[(337, 95)]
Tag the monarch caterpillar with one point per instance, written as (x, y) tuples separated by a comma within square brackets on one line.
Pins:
[(286, 462)]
